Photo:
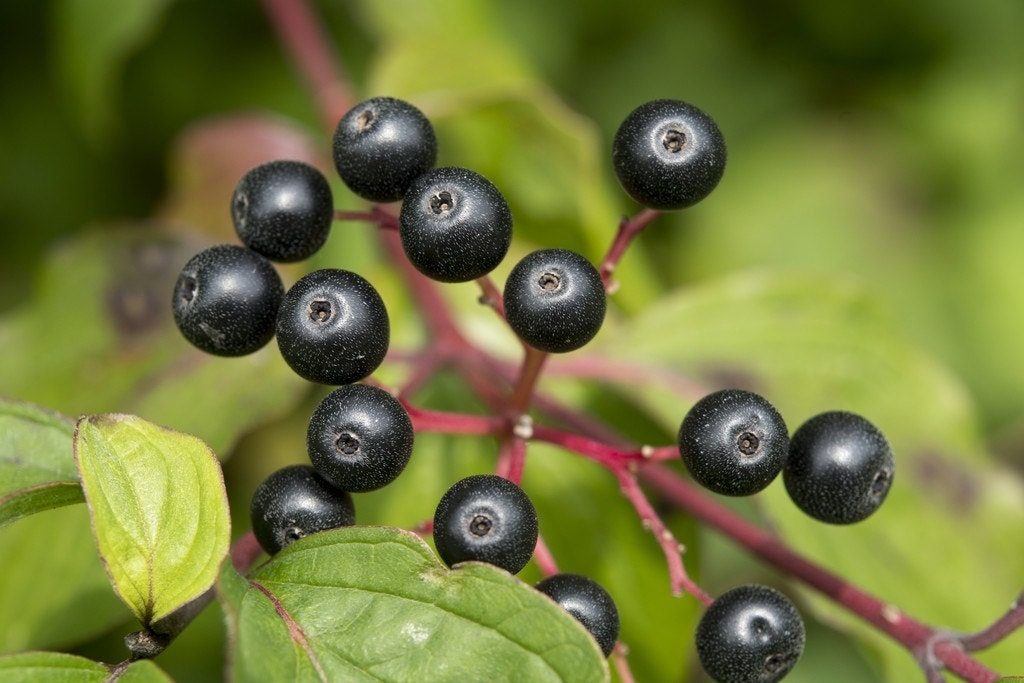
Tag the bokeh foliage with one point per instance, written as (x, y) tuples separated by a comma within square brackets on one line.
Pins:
[(873, 150)]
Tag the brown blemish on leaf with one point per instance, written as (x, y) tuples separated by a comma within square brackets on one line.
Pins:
[(942, 477)]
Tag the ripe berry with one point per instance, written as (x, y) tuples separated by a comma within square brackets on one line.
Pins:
[(381, 146), (486, 518), (455, 225), (225, 300), (332, 327), (359, 438), (840, 468), (294, 502), (750, 634), (283, 210), (668, 154), (588, 602), (733, 442), (555, 300)]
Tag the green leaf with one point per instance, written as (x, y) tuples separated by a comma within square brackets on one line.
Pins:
[(374, 603), (93, 41), (159, 511), (58, 667), (53, 590), (112, 286), (937, 548), (37, 465)]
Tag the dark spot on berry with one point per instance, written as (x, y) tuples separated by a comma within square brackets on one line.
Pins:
[(320, 311), (294, 533), (674, 141), (760, 625), (241, 208), (188, 289), (442, 202), (748, 443), (775, 663), (347, 443), (549, 282), (481, 525), (880, 484)]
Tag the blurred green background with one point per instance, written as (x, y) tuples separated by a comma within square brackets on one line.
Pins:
[(874, 149)]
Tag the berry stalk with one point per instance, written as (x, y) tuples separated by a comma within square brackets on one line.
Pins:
[(925, 642)]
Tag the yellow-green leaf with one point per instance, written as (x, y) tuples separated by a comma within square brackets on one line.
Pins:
[(159, 510)]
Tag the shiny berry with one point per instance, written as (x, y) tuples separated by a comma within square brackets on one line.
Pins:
[(359, 438), (225, 300), (486, 518), (283, 210), (750, 634), (381, 145), (588, 602), (455, 225), (840, 468), (332, 327), (668, 154), (555, 300), (295, 502), (733, 442)]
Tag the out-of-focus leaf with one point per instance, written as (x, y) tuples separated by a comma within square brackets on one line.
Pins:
[(159, 511), (92, 43), (937, 548), (113, 289), (375, 603), (69, 600), (59, 667), (37, 466)]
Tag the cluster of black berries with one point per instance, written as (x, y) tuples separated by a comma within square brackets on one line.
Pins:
[(455, 226), (332, 328), (837, 468)]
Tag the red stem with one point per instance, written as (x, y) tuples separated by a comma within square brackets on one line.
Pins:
[(628, 229), (300, 32), (915, 636)]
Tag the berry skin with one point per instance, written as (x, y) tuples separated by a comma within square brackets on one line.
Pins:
[(750, 634), (225, 300), (555, 300), (332, 327), (486, 518), (359, 438), (588, 602), (381, 145), (840, 468), (455, 225), (668, 154), (733, 442), (283, 210), (295, 502)]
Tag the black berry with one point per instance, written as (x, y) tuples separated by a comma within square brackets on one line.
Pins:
[(668, 154), (840, 468), (750, 634), (295, 502), (226, 299), (332, 327), (283, 210), (359, 438), (381, 146), (486, 518), (555, 300), (588, 602), (455, 225), (733, 442)]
